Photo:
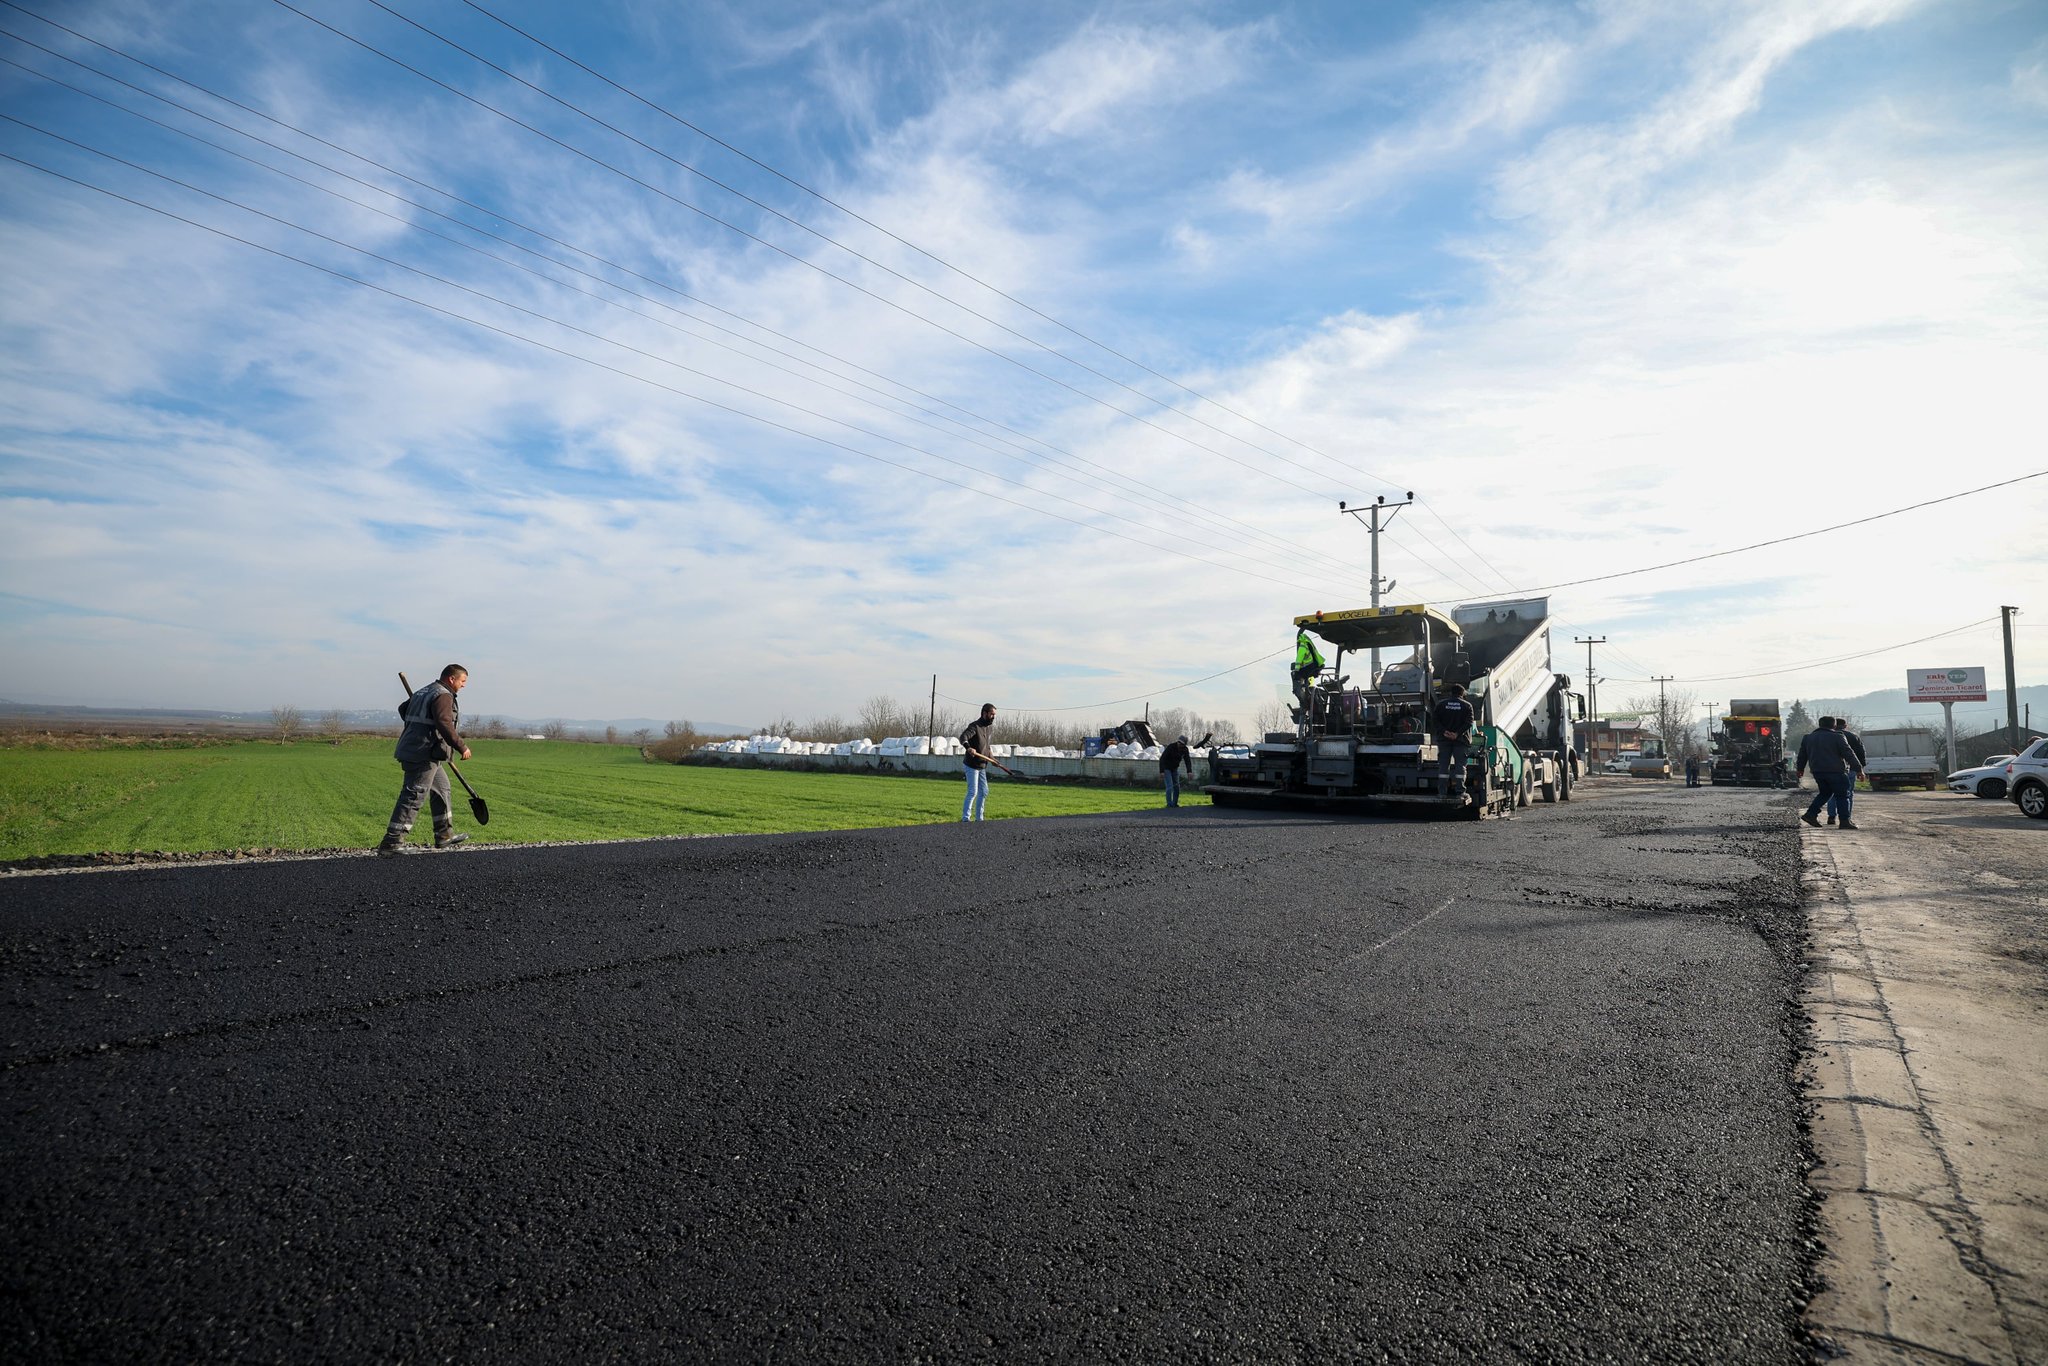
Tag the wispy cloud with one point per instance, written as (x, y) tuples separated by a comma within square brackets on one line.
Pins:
[(1641, 311)]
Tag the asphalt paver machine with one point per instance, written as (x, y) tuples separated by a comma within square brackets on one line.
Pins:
[(1372, 747)]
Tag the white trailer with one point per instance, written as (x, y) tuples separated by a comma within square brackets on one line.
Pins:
[(1905, 756)]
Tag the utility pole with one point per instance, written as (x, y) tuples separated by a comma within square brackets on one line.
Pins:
[(2012, 691), (1592, 696), (932, 721), (1663, 716), (1370, 514)]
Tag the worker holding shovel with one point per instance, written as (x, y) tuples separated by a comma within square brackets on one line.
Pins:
[(429, 740), (975, 741)]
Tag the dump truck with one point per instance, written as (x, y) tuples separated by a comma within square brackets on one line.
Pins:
[(1372, 747), (1752, 745)]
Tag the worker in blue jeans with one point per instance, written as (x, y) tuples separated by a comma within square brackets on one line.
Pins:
[(1835, 770), (974, 740), (1172, 759)]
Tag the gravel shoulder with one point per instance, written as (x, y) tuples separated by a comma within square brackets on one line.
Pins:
[(1930, 1010)]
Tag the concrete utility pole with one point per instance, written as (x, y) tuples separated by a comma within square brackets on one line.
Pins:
[(2012, 690), (1370, 513), (1663, 716), (932, 721), (1592, 695)]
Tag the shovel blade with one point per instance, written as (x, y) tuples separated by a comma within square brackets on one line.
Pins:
[(479, 810)]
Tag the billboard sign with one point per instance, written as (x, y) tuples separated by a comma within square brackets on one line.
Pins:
[(1946, 685)]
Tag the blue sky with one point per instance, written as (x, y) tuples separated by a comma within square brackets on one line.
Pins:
[(1056, 398)]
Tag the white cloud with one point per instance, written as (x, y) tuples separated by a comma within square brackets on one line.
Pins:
[(1690, 335)]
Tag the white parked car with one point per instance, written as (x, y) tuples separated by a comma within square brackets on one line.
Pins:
[(1985, 780), (2026, 779)]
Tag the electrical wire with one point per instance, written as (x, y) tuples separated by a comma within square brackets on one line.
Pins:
[(1775, 670), (1785, 540), (642, 379), (1133, 487), (808, 264)]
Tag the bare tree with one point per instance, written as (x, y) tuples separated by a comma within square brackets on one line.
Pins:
[(676, 728), (878, 717), (332, 724), (1274, 716), (611, 735), (553, 730), (642, 736), (1670, 718), (284, 722), (495, 728)]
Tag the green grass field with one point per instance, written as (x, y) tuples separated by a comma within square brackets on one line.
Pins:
[(311, 794)]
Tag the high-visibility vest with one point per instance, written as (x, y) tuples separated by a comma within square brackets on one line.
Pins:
[(1306, 655)]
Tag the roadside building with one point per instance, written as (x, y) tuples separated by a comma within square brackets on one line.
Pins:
[(1599, 741)]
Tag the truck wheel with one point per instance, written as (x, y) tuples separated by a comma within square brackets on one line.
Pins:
[(1549, 790), (1993, 788), (1567, 779), (1525, 790)]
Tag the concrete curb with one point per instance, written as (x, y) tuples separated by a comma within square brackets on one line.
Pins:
[(1906, 1277)]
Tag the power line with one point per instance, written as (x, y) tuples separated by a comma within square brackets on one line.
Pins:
[(807, 264), (1782, 540), (930, 256), (1777, 670), (905, 242), (1135, 487), (642, 379), (741, 231)]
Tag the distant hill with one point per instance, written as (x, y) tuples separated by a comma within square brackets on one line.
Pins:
[(1889, 707), (373, 719)]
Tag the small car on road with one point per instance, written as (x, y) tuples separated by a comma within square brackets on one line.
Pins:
[(2026, 779), (1985, 780)]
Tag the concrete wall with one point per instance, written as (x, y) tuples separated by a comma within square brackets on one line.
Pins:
[(1111, 772)]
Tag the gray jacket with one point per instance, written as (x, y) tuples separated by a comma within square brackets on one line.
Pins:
[(429, 735)]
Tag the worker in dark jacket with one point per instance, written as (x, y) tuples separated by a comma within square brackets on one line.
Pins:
[(1835, 769), (429, 738), (1450, 724), (1172, 759)]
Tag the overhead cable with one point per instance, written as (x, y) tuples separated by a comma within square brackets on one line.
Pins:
[(1776, 670), (652, 383), (1783, 540), (1133, 487), (808, 264)]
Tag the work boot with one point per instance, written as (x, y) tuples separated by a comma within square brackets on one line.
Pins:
[(1851, 825), (448, 839), (1811, 820), (392, 844)]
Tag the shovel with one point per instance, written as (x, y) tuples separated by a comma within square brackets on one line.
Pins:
[(476, 803)]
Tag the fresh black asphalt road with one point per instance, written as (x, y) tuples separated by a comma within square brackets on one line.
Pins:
[(1172, 1086)]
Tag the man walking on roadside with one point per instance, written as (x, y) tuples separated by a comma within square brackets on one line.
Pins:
[(975, 740), (1452, 721), (1826, 751), (1171, 760), (1692, 770), (429, 738), (1862, 766)]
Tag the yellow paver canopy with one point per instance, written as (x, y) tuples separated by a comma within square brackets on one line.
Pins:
[(1366, 628)]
